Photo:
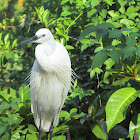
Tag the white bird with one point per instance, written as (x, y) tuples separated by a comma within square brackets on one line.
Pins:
[(49, 81)]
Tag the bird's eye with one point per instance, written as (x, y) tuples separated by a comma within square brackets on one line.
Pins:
[(43, 35)]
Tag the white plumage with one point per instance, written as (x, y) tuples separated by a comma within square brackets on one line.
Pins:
[(50, 78)]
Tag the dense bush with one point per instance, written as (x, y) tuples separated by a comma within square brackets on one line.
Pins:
[(102, 37)]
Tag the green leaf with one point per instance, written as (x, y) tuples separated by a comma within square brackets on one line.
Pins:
[(14, 43), (116, 33), (110, 2), (69, 47), (92, 73), (115, 55), (14, 103), (63, 2), (99, 130), (114, 14), (60, 129), (3, 124), (59, 138), (121, 81), (133, 15), (126, 29), (9, 55), (95, 3), (7, 96), (122, 9), (64, 114), (98, 49), (12, 92), (121, 2), (7, 38), (87, 31), (109, 63), (106, 79), (83, 47), (32, 128), (91, 12), (40, 12), (73, 112), (100, 112), (118, 132), (99, 59), (5, 137), (131, 41), (65, 13), (23, 94), (131, 10), (128, 51), (61, 32), (4, 106), (101, 32), (19, 130), (117, 105), (101, 29), (105, 25), (31, 137), (127, 22), (15, 136), (45, 16), (134, 124), (107, 41), (98, 70)]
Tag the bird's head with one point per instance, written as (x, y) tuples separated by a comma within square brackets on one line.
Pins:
[(41, 36)]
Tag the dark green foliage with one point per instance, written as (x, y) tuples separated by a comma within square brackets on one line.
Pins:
[(102, 37)]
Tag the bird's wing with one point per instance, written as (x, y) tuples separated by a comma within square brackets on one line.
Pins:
[(64, 73), (34, 84)]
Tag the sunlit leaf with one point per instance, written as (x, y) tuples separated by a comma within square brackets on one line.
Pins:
[(32, 136), (127, 22), (95, 3), (63, 2), (99, 130), (109, 63), (121, 81), (69, 47), (59, 138), (32, 128), (110, 2), (64, 114), (5, 137), (117, 105)]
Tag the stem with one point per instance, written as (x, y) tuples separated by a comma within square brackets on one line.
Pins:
[(73, 22)]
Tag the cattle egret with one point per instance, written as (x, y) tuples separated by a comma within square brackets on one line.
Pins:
[(49, 81)]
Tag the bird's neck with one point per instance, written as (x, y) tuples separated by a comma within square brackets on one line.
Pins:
[(49, 47), (44, 54)]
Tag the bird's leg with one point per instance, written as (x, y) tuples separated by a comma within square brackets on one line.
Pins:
[(51, 129), (47, 134), (40, 132), (40, 129)]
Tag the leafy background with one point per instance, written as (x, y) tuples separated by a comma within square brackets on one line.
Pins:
[(103, 40)]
